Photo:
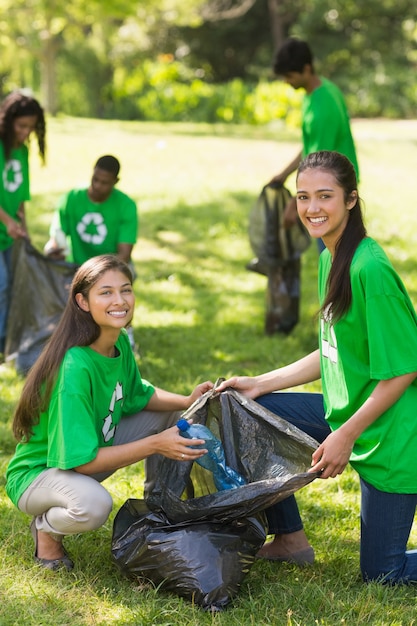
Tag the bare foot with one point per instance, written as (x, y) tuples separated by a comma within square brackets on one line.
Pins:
[(292, 548)]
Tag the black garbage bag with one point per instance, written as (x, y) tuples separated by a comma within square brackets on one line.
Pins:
[(204, 562), (38, 296), (278, 251), (202, 541), (270, 453), (282, 301), (271, 242)]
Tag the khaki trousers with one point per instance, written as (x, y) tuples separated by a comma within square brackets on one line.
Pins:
[(65, 502)]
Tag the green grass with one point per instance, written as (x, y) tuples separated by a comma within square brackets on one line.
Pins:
[(200, 315)]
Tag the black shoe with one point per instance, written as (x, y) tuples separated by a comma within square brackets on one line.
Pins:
[(52, 564)]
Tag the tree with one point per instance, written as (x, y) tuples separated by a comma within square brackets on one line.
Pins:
[(41, 29), (369, 49), (76, 54)]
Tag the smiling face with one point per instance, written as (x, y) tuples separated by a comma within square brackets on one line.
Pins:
[(110, 301), (322, 205)]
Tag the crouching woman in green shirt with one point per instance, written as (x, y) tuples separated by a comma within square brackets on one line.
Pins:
[(367, 362), (85, 412)]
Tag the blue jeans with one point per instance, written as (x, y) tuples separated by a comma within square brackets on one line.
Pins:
[(386, 521), (386, 518), (5, 283), (306, 411)]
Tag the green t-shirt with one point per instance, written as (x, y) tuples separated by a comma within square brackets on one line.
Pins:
[(14, 187), (92, 393), (326, 124), (376, 340), (95, 228)]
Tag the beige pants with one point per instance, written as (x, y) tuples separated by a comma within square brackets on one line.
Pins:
[(65, 502)]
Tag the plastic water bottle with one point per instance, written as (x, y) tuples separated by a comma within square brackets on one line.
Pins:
[(224, 477)]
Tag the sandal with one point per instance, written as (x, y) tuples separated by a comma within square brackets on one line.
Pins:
[(52, 564)]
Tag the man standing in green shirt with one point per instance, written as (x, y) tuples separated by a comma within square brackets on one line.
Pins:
[(325, 119), (325, 126)]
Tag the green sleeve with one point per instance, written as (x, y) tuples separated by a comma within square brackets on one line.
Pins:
[(129, 224)]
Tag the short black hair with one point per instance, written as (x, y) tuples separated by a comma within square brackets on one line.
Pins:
[(293, 56), (109, 164)]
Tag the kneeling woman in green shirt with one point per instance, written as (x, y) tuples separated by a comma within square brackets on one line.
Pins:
[(367, 362), (85, 412)]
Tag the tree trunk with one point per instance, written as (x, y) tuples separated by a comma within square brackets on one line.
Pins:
[(50, 46), (277, 27), (282, 16)]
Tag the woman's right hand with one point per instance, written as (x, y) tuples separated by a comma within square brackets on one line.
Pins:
[(245, 384), (15, 230), (171, 444)]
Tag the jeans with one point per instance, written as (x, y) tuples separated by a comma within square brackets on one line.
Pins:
[(306, 411), (386, 518), (386, 521), (5, 283)]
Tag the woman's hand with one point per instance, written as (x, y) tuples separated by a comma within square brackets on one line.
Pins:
[(15, 229), (171, 444), (300, 372), (332, 456), (200, 390), (245, 384), (162, 400)]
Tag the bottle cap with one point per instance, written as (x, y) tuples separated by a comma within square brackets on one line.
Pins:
[(183, 425)]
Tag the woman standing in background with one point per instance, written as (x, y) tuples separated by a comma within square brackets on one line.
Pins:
[(20, 115)]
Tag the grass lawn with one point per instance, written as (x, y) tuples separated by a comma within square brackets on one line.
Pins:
[(200, 315)]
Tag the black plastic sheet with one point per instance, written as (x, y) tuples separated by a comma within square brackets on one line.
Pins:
[(38, 297), (200, 542), (270, 453), (205, 562), (272, 243), (278, 251)]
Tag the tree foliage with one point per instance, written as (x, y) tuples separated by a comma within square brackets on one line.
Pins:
[(90, 58), (368, 48)]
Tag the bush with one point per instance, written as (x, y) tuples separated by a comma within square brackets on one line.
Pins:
[(166, 91)]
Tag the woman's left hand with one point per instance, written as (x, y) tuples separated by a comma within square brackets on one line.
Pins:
[(332, 456), (200, 390)]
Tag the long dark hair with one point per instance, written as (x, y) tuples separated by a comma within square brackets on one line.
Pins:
[(339, 289), (18, 104), (75, 328)]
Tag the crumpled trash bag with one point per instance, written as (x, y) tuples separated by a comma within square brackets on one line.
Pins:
[(272, 243), (38, 296), (270, 453), (189, 528), (204, 562), (278, 252)]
